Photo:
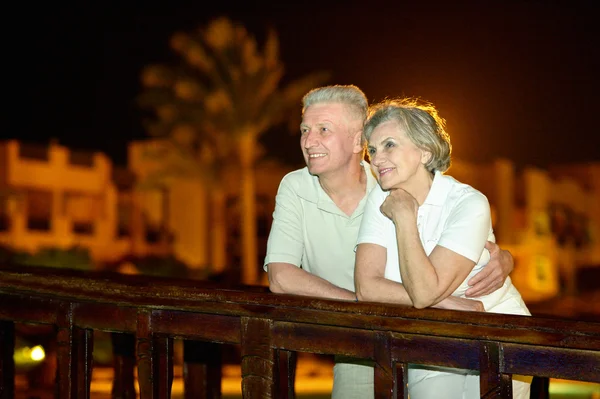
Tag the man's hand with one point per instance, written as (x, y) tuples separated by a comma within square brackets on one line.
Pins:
[(457, 303), (493, 275)]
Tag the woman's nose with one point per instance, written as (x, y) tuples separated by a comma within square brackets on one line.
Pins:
[(376, 159)]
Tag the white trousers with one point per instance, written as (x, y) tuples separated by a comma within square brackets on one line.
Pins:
[(428, 382), (353, 379)]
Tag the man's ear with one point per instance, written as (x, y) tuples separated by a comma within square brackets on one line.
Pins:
[(358, 145)]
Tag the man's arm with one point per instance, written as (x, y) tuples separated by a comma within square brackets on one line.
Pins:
[(285, 278), (493, 275)]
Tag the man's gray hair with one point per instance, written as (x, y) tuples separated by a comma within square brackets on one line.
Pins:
[(422, 124), (349, 95)]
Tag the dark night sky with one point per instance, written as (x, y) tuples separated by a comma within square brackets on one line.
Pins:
[(514, 79)]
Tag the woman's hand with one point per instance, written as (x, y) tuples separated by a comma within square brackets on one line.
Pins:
[(399, 204)]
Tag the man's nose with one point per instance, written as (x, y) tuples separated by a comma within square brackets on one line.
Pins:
[(310, 139)]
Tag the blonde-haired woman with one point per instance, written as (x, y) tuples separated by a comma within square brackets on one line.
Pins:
[(423, 234)]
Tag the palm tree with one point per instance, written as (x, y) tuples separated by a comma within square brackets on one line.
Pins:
[(215, 105)]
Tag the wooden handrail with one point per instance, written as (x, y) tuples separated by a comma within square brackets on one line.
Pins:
[(266, 325)]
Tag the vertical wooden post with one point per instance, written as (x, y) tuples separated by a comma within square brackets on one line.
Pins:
[(7, 364), (155, 360), (66, 341), (259, 374), (163, 361), (123, 345), (287, 373), (145, 358), (84, 349), (402, 380), (202, 372), (385, 368), (492, 382)]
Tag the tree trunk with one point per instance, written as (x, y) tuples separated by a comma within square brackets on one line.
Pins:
[(247, 145), (218, 228)]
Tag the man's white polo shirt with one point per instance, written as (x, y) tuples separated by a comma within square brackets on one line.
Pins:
[(311, 232)]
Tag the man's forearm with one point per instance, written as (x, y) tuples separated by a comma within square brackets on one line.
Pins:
[(289, 279)]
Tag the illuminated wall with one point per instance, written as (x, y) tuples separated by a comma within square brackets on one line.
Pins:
[(52, 197), (548, 219), (181, 196)]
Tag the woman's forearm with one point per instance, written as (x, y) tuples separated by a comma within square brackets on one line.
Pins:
[(419, 276), (380, 289)]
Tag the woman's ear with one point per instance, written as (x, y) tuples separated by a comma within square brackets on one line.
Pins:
[(425, 157)]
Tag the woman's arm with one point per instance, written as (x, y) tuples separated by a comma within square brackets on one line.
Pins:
[(369, 277), (430, 279), (371, 284)]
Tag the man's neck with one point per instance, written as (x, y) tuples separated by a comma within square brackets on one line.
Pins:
[(346, 188)]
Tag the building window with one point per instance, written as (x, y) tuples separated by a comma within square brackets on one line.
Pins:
[(155, 215), (124, 215), (83, 210), (83, 228), (39, 210), (153, 235), (4, 219), (32, 151), (81, 158)]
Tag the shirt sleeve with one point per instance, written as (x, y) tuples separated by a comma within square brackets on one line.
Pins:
[(285, 243), (373, 225), (468, 226)]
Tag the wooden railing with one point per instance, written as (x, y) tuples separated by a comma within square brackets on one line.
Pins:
[(269, 327)]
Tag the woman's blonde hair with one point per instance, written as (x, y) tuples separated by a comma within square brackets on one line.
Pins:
[(423, 125)]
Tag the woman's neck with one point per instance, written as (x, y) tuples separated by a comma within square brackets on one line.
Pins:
[(420, 185)]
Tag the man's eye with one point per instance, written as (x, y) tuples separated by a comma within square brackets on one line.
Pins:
[(303, 130), (324, 129)]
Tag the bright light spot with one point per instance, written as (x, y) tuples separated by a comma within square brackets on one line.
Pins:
[(37, 353)]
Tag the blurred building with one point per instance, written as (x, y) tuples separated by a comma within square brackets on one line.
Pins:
[(51, 196), (199, 206), (548, 219)]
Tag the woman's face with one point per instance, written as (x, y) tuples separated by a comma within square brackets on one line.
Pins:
[(395, 159)]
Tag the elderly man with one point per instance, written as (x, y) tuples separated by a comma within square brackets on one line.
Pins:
[(318, 212)]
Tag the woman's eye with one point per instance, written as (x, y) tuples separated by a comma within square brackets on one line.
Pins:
[(371, 151), (389, 144)]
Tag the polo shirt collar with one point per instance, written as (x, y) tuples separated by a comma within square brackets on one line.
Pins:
[(313, 191), (440, 188)]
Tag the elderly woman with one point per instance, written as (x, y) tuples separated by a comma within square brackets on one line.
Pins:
[(423, 233)]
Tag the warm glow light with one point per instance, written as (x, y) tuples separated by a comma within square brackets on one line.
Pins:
[(37, 353)]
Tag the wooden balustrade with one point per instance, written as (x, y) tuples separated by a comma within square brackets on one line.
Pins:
[(269, 327)]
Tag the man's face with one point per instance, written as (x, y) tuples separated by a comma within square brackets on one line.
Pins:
[(330, 138)]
